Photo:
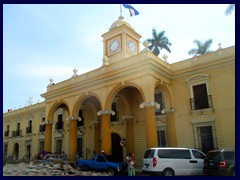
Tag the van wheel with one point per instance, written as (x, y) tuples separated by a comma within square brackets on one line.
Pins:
[(168, 172)]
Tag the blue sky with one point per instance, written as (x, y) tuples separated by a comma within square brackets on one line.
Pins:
[(48, 41)]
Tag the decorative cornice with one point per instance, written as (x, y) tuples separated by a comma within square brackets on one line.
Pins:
[(103, 112), (70, 118), (125, 117), (150, 104), (48, 122)]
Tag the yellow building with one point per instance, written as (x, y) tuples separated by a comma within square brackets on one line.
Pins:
[(134, 101)]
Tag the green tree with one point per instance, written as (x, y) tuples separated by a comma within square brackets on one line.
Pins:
[(158, 42), (202, 47), (230, 9)]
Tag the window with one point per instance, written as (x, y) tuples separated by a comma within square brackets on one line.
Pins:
[(43, 119), (204, 133), (199, 89), (29, 128), (79, 147), (114, 118), (6, 134), (59, 124), (18, 131), (42, 126), (158, 97), (5, 149), (18, 126), (198, 154), (174, 154), (162, 138), (149, 153), (201, 98), (58, 146), (41, 146), (80, 114)]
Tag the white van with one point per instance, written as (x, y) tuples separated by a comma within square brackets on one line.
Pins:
[(173, 161)]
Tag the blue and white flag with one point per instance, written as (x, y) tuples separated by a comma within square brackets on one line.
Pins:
[(133, 12)]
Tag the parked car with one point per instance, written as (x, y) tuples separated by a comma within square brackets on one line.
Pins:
[(173, 161), (220, 163), (102, 162)]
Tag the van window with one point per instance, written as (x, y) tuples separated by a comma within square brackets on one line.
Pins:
[(174, 153), (198, 154), (149, 153)]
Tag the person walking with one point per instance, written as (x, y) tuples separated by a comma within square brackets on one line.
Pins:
[(94, 155), (130, 162), (77, 156)]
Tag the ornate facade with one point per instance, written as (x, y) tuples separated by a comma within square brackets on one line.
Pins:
[(134, 101)]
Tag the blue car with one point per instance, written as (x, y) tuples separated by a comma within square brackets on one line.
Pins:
[(102, 162)]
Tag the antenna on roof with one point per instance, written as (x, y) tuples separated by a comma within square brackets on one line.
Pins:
[(120, 10)]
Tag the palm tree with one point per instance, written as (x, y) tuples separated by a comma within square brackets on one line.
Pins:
[(230, 9), (158, 42), (202, 47)]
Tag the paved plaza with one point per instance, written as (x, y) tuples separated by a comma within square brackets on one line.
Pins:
[(52, 169), (46, 169)]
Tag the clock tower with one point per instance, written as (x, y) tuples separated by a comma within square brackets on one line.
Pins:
[(120, 42)]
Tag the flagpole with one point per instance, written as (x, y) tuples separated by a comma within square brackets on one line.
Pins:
[(120, 10)]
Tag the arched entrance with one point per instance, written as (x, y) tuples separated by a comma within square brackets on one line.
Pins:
[(117, 149), (16, 152)]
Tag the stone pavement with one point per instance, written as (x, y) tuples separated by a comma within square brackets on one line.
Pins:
[(53, 169), (46, 169)]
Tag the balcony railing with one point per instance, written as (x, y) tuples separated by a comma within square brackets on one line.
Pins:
[(203, 103), (16, 133), (6, 133), (28, 130), (41, 128)]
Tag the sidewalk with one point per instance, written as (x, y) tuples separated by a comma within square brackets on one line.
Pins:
[(138, 169)]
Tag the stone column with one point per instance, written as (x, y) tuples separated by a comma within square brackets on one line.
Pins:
[(106, 141), (48, 136), (151, 129), (171, 130), (130, 135), (72, 138)]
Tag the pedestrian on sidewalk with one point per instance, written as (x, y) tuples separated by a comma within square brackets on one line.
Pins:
[(130, 162)]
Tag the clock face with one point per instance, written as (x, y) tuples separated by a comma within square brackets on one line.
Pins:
[(131, 46), (114, 46)]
